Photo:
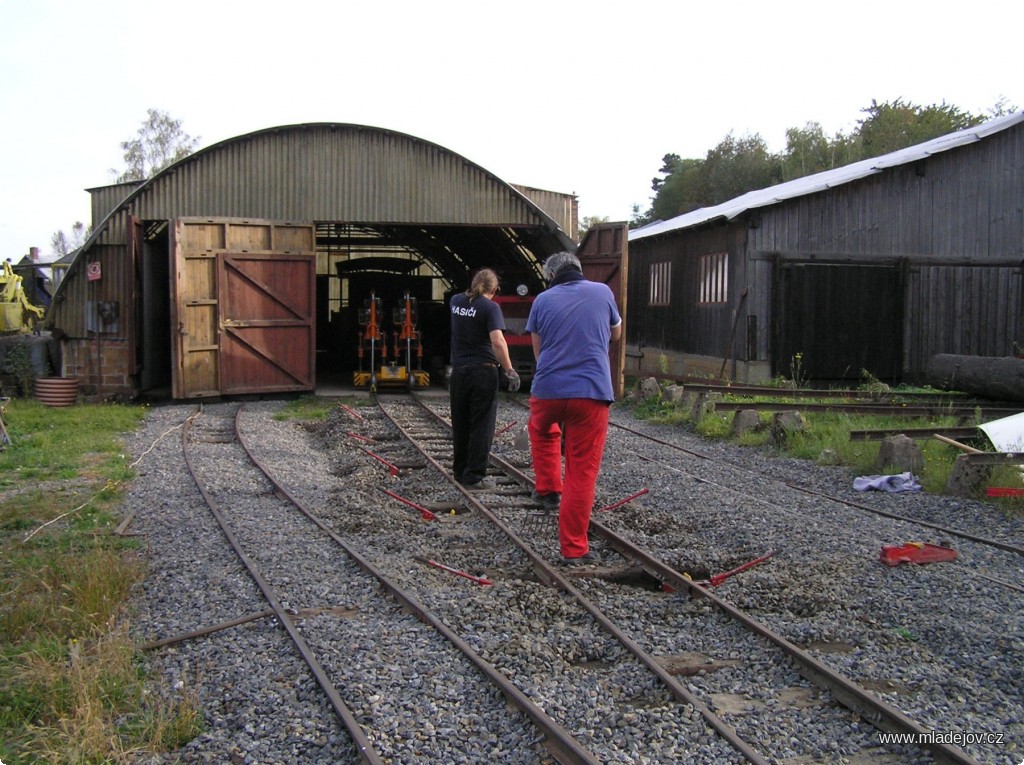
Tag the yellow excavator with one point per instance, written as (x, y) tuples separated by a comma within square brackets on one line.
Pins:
[(16, 313)]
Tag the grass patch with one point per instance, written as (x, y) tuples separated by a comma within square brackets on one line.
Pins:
[(71, 680), (315, 408), (826, 438)]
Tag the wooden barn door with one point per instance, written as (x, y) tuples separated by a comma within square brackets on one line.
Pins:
[(603, 253), (244, 308), (839, 319)]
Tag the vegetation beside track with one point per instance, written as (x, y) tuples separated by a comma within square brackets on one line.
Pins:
[(826, 436), (71, 678)]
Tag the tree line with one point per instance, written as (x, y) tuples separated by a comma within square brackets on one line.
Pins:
[(738, 165), (158, 143)]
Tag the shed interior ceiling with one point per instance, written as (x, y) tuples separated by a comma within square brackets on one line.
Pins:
[(448, 253)]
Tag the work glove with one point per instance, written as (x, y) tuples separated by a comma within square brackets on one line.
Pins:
[(513, 380)]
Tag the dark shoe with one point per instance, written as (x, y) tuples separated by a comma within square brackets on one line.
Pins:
[(484, 484), (548, 501), (588, 557)]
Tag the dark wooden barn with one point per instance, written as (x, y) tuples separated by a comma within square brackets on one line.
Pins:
[(243, 267), (873, 267)]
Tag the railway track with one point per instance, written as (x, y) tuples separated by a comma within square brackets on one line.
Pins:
[(280, 573), (611, 663), (761, 647)]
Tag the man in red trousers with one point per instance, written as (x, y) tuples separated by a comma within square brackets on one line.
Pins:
[(571, 324)]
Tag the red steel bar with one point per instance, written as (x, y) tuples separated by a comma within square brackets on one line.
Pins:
[(392, 468), (510, 425), (717, 579), (424, 513), (352, 411), (630, 498), (450, 570), (361, 438)]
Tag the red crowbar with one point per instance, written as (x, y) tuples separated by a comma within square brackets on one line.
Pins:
[(352, 411), (392, 468), (630, 498), (916, 552), (717, 579), (435, 564), (999, 491), (424, 513), (510, 425)]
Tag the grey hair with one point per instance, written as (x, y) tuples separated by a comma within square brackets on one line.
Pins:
[(558, 261)]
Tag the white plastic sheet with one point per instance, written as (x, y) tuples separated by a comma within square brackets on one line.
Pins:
[(1006, 434)]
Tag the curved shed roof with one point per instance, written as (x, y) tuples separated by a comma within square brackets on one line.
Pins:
[(347, 173)]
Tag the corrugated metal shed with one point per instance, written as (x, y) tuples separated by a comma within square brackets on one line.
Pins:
[(362, 192), (329, 172), (563, 208), (811, 184)]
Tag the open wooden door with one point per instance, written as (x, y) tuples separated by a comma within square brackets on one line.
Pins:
[(604, 255), (243, 308)]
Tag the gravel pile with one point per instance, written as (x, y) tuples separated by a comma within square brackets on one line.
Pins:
[(941, 642)]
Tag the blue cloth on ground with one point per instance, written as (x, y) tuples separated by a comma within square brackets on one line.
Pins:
[(890, 483)]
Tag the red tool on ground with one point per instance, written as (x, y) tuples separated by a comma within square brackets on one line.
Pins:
[(425, 514), (717, 579), (352, 411), (391, 468), (916, 552), (1000, 491), (630, 498), (359, 437), (450, 570), (507, 427)]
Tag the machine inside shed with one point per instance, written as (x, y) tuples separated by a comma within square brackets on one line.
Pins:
[(356, 262), (428, 263)]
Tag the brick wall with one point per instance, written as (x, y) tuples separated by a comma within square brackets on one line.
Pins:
[(101, 366)]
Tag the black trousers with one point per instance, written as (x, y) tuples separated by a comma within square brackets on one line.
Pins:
[(474, 401)]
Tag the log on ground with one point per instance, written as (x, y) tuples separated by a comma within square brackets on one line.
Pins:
[(1000, 378)]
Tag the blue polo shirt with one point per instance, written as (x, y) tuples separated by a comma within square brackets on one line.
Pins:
[(574, 321)]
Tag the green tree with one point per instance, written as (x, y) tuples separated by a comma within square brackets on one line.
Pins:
[(896, 125), (586, 224), (669, 164), (734, 166), (63, 244), (639, 217), (1002, 107), (738, 165), (809, 150), (680, 192), (159, 142)]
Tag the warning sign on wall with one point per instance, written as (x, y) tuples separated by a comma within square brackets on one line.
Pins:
[(92, 271)]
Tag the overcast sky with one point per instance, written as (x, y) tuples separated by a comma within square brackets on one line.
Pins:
[(577, 97)]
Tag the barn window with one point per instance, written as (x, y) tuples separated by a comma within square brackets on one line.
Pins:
[(661, 283), (714, 277)]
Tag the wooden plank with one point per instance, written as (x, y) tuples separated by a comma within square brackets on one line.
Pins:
[(915, 433), (957, 444)]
